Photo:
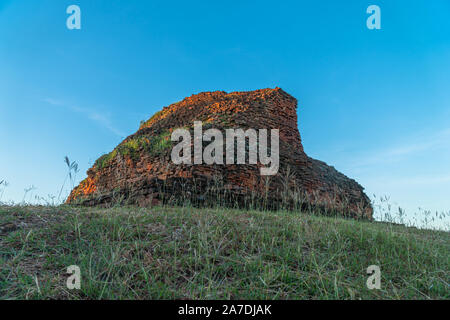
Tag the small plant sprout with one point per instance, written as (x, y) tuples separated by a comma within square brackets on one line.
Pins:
[(72, 170), (27, 191), (3, 183)]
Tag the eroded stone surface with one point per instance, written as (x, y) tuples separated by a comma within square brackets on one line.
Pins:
[(139, 171)]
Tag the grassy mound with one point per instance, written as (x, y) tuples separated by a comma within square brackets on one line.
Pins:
[(177, 253)]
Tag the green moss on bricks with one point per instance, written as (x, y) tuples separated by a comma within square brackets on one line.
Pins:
[(155, 145), (159, 144), (146, 123), (131, 148), (105, 159)]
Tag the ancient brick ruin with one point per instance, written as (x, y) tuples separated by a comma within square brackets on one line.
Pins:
[(140, 172)]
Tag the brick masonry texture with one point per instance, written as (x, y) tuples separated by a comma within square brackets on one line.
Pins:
[(140, 172)]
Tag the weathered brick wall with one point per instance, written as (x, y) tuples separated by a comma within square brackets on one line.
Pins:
[(139, 171)]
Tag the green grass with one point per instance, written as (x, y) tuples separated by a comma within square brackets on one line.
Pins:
[(154, 145), (105, 159), (160, 144), (155, 116), (183, 252)]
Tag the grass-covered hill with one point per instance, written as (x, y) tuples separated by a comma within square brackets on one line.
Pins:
[(185, 252)]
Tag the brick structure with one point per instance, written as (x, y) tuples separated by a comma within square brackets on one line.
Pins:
[(139, 171)]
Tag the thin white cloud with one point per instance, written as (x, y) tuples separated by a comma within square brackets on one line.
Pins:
[(437, 180), (426, 180), (437, 141), (54, 102), (105, 122), (101, 119)]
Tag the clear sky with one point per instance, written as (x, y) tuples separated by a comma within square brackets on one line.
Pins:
[(373, 103)]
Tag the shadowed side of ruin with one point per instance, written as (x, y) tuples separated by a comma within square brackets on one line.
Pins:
[(139, 170)]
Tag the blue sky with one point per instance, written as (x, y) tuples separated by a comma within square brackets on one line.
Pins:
[(373, 103)]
